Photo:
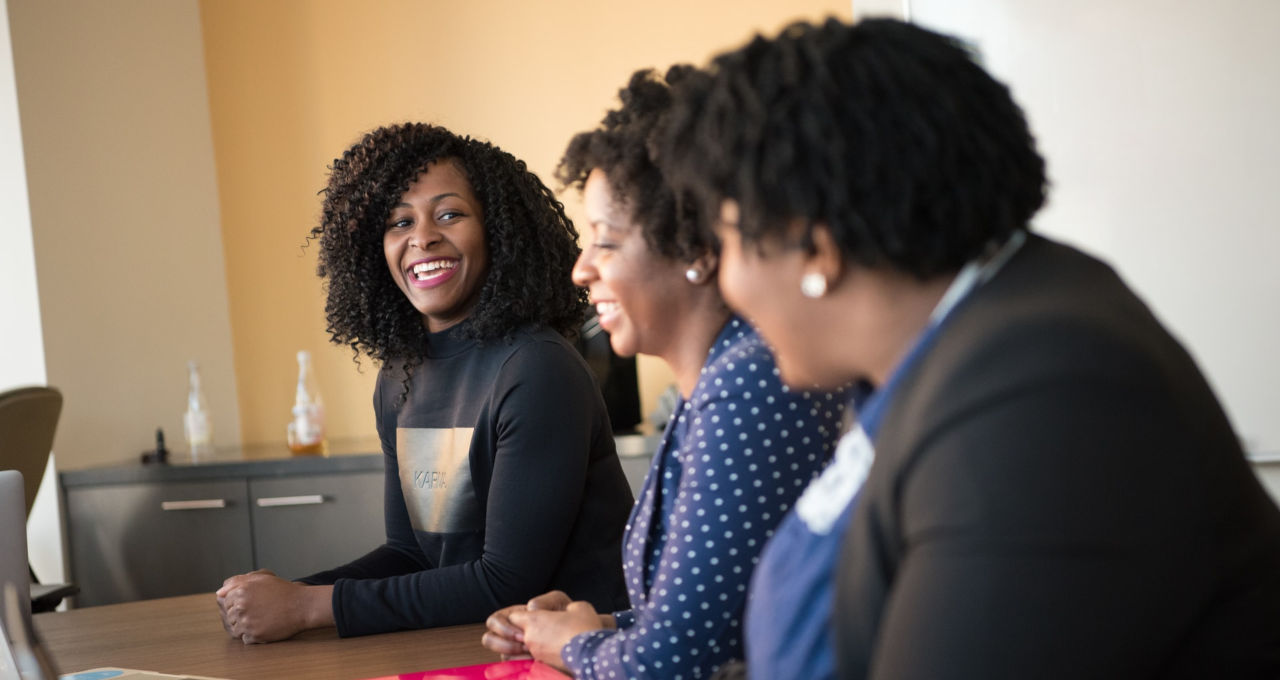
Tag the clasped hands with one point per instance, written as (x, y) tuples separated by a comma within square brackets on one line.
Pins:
[(262, 607), (542, 627)]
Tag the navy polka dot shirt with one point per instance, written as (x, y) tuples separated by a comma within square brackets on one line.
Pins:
[(733, 459)]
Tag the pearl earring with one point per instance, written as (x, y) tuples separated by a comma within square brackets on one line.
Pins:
[(813, 285), (693, 275)]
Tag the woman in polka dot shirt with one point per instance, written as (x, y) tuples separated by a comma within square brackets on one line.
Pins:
[(737, 452)]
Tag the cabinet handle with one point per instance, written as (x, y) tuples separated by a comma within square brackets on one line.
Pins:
[(209, 504), (278, 501)]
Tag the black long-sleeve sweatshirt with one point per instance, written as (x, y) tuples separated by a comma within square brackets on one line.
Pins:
[(502, 483)]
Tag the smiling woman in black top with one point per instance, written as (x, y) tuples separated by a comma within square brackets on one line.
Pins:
[(447, 262)]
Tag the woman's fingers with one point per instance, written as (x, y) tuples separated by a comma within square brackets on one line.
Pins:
[(555, 601), (502, 645)]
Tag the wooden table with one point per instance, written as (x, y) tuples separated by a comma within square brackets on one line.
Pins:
[(183, 635)]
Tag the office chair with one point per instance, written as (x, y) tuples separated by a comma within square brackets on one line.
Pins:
[(28, 421)]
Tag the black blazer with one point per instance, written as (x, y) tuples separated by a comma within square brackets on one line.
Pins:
[(1058, 494)]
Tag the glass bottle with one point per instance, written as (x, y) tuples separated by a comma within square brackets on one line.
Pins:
[(196, 424), (306, 430)]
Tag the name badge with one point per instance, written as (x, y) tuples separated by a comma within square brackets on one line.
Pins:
[(826, 498)]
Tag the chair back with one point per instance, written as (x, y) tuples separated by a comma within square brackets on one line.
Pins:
[(28, 421)]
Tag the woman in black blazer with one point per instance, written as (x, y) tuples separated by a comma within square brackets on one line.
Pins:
[(1053, 489)]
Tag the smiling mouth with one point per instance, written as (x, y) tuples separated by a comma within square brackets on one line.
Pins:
[(606, 308), (425, 271)]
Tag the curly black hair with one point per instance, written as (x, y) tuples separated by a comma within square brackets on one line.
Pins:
[(532, 244), (889, 134), (624, 146)]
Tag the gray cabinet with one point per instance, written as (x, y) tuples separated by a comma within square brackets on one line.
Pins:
[(310, 523), (138, 532), (636, 454), (140, 541), (635, 468)]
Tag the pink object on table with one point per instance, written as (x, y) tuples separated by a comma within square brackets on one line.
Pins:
[(523, 669)]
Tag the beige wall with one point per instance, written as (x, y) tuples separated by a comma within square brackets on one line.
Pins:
[(124, 214), (129, 228), (293, 83)]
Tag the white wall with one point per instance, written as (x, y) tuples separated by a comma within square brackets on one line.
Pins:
[(899, 9), (21, 345), (22, 351), (1158, 122)]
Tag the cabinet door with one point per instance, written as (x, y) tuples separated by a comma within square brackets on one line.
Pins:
[(635, 468), (306, 524), (141, 541)]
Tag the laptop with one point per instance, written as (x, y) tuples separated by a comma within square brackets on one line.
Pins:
[(21, 656), (13, 540)]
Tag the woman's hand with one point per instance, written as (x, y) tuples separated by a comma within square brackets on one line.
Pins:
[(545, 632), (506, 638), (262, 607)]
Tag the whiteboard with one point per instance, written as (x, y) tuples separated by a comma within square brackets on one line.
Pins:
[(1160, 123)]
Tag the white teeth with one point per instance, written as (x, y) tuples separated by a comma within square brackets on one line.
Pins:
[(423, 270), (603, 308)]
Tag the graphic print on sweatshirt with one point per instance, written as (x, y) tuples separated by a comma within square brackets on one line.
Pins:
[(435, 476)]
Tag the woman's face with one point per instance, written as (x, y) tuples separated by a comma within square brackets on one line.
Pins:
[(637, 292), (435, 246), (762, 283)]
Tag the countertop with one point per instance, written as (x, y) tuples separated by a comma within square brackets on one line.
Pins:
[(274, 460)]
